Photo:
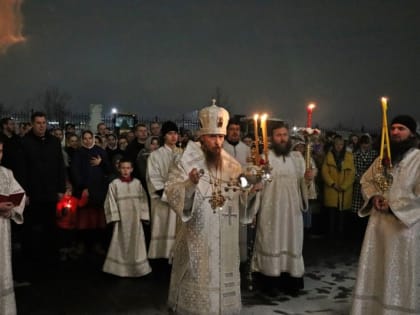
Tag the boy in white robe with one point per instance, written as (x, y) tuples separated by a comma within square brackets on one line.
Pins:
[(126, 205)]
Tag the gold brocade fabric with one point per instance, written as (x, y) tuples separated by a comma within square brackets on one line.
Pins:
[(388, 280), (205, 272)]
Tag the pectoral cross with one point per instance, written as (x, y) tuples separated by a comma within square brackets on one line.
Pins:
[(230, 214), (217, 200)]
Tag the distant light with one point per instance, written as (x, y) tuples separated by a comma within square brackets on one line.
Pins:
[(114, 111), (295, 128)]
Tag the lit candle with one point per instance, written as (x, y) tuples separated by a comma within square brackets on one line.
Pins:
[(264, 135), (309, 109), (257, 139), (384, 102), (384, 127)]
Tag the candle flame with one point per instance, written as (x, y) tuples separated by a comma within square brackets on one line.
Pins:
[(311, 106), (256, 116), (264, 117)]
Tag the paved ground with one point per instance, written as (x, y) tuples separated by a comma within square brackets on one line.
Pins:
[(81, 288)]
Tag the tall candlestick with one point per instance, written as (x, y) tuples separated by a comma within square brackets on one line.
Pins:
[(264, 135), (257, 139), (309, 109), (385, 135)]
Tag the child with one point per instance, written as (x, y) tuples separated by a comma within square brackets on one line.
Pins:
[(8, 211), (126, 206)]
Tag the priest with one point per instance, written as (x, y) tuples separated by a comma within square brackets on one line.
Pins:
[(388, 279), (278, 247), (202, 190)]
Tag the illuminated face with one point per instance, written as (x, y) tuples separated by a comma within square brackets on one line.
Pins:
[(233, 133), (122, 143), (87, 140), (111, 141), (171, 138), (102, 129), (39, 126), (73, 142), (141, 133), (154, 145), (213, 143), (155, 129), (399, 133), (125, 169), (58, 133), (338, 145), (280, 136)]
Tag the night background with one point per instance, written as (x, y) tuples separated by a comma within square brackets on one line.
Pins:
[(166, 58)]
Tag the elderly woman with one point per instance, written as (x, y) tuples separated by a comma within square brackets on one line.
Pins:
[(338, 173)]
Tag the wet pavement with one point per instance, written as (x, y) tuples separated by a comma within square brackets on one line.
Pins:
[(80, 287)]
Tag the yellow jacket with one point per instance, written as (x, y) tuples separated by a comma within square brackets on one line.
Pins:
[(344, 179)]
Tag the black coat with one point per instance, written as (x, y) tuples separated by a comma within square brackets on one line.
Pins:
[(43, 170)]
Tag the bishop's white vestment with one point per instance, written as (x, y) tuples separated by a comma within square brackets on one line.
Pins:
[(279, 236), (8, 185), (388, 279), (205, 271), (126, 205), (163, 218)]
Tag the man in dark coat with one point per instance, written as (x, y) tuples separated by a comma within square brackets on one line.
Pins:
[(44, 182)]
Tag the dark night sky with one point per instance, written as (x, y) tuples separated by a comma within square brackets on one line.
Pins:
[(167, 57)]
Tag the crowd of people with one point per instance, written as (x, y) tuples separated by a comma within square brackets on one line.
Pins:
[(157, 199)]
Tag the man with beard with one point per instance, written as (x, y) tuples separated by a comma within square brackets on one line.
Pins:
[(205, 274), (279, 237), (388, 280)]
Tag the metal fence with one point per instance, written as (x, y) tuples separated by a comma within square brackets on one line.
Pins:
[(81, 120)]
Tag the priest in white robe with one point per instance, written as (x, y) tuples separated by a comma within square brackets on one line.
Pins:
[(8, 211), (205, 274), (126, 206), (163, 219), (279, 237), (241, 152), (388, 279)]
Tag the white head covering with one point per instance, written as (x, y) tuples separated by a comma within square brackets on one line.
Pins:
[(213, 120)]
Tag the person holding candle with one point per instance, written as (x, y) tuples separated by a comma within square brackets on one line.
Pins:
[(388, 279), (277, 255), (205, 275)]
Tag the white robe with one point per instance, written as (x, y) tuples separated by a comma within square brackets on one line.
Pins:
[(205, 274), (163, 219), (241, 152), (8, 185), (388, 279), (126, 205), (279, 237)]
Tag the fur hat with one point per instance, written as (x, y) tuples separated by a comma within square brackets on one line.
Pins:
[(167, 127), (213, 120), (407, 121)]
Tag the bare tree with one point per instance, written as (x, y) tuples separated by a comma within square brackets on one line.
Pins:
[(54, 102)]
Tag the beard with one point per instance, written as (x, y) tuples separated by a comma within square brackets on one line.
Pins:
[(282, 148), (213, 156), (399, 148)]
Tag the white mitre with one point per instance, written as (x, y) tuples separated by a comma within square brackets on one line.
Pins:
[(213, 120)]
